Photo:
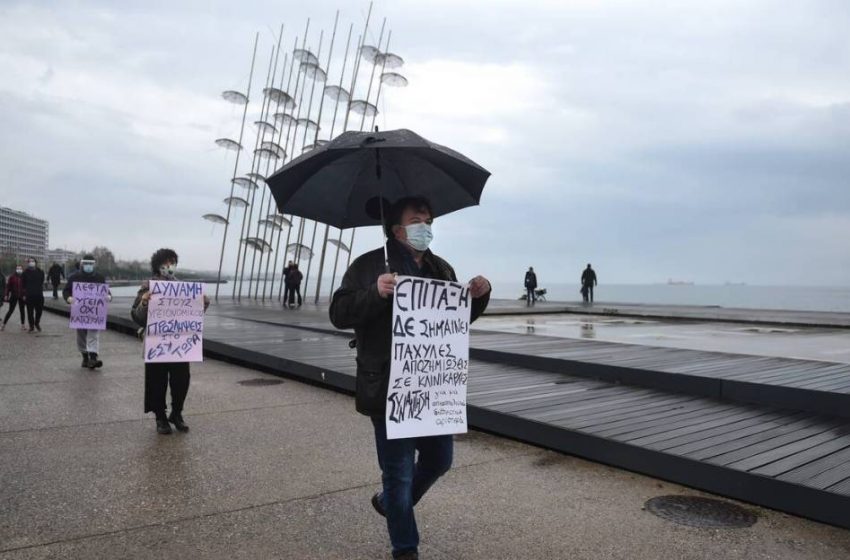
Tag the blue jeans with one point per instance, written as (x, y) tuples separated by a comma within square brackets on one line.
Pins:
[(406, 481)]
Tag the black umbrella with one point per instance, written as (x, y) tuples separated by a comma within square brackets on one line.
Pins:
[(333, 183)]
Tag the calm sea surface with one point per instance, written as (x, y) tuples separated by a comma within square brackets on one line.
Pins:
[(752, 297)]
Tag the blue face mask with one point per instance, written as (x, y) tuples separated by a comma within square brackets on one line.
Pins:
[(419, 236), (88, 268)]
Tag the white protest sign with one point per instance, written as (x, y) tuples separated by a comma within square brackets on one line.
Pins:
[(430, 358), (175, 328)]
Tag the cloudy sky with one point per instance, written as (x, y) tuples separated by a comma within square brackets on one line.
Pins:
[(701, 141)]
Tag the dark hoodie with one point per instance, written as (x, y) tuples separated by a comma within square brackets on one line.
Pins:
[(80, 276)]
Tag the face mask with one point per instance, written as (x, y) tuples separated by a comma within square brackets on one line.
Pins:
[(419, 236), (19, 271), (30, 264), (168, 270), (88, 268)]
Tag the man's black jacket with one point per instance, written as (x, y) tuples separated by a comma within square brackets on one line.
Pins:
[(33, 279), (357, 304), (55, 274)]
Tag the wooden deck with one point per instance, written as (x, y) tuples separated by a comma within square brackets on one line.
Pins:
[(783, 457)]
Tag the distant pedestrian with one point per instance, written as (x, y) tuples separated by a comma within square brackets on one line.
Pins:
[(88, 340), (160, 375), (530, 286), (2, 288), (56, 274), (14, 294), (293, 282), (289, 266), (588, 281), (33, 279)]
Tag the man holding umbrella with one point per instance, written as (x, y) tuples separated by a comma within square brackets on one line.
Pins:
[(363, 302), (349, 183)]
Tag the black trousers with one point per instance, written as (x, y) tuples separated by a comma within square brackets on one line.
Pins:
[(13, 301), (56, 290), (530, 297), (157, 379), (35, 306), (587, 292), (293, 290)]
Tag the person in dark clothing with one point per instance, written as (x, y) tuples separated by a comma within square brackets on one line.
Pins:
[(3, 288), (14, 294), (530, 286), (293, 285), (159, 376), (33, 279), (364, 303), (88, 340), (56, 274), (588, 281), (286, 272)]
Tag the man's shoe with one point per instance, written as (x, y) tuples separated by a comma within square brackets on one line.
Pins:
[(376, 503), (23, 327), (177, 419), (38, 328), (407, 556), (32, 329), (3, 327), (85, 359), (162, 426), (94, 361)]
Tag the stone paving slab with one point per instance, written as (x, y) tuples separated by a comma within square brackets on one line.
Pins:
[(286, 471)]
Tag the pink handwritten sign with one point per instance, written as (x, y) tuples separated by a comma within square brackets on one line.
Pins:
[(88, 311), (175, 327)]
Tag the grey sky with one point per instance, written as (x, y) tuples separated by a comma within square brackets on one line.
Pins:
[(705, 142)]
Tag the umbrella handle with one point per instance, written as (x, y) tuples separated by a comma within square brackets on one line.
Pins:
[(381, 205)]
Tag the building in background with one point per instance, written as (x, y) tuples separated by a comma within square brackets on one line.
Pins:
[(61, 256), (22, 236)]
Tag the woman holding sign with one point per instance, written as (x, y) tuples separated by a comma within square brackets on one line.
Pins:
[(364, 302), (160, 374)]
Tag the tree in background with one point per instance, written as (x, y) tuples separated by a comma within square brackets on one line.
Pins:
[(105, 261)]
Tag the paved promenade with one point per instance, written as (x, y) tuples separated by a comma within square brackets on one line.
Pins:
[(286, 471)]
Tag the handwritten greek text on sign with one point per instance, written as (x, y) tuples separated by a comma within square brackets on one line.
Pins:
[(430, 358), (175, 327), (89, 308)]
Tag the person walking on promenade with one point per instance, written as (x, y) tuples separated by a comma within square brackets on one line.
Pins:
[(88, 340), (364, 302), (158, 376), (14, 294), (56, 274), (33, 280), (588, 281), (286, 272), (293, 283), (530, 286)]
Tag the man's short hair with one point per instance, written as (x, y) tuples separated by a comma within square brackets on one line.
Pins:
[(396, 209)]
